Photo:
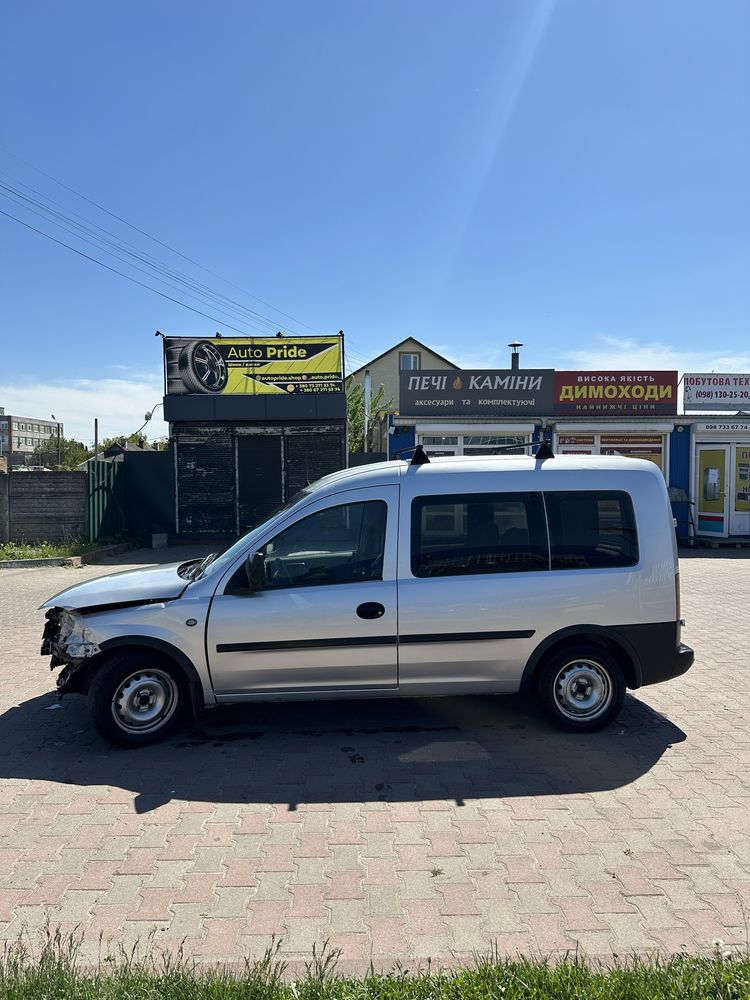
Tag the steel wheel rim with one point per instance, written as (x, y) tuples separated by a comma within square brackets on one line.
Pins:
[(583, 690), (210, 366), (144, 701)]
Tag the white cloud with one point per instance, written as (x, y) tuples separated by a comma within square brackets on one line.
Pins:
[(119, 403), (612, 353), (625, 352)]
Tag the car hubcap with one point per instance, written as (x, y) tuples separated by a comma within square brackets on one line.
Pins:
[(583, 690), (144, 701)]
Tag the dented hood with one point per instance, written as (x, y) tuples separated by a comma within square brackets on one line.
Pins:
[(132, 586)]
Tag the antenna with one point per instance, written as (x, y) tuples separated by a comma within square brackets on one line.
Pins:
[(544, 451), (419, 457)]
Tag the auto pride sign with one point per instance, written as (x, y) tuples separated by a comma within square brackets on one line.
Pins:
[(234, 366), (477, 392)]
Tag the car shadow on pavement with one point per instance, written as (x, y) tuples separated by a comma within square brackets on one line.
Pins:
[(292, 753)]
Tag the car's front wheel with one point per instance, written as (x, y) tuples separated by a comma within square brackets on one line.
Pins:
[(136, 698), (582, 689)]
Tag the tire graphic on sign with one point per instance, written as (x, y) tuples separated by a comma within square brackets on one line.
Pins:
[(202, 367)]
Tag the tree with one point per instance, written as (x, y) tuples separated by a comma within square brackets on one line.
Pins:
[(71, 453), (355, 409), (158, 444)]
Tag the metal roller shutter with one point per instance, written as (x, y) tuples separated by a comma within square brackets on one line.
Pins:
[(206, 482)]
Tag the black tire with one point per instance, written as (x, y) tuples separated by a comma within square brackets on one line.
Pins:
[(202, 367), (581, 688), (118, 693)]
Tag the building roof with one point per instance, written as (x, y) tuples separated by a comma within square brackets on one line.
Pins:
[(395, 347)]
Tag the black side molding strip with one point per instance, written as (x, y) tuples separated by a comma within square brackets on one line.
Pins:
[(465, 636), (372, 640), (365, 640)]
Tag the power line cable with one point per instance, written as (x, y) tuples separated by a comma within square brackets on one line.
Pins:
[(102, 235), (122, 246), (156, 240), (135, 281), (142, 270), (161, 267), (121, 274)]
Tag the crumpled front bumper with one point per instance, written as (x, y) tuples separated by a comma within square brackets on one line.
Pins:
[(68, 642)]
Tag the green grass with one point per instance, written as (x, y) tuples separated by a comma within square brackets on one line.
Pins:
[(46, 550), (55, 974)]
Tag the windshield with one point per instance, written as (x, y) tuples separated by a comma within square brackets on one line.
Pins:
[(215, 563)]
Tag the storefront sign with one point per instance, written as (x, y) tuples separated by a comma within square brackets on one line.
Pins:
[(279, 366), (615, 393), (630, 440), (721, 426), (475, 392), (716, 392)]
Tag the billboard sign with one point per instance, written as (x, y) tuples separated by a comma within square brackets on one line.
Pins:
[(615, 393), (710, 391), (252, 366), (476, 392)]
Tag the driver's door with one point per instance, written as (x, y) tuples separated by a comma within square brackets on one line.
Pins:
[(326, 618)]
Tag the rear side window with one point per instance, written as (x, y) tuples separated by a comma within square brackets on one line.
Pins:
[(478, 533), (591, 530)]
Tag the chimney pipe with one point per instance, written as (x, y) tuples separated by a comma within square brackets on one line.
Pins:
[(515, 359)]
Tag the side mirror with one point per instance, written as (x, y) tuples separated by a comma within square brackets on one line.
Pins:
[(255, 567)]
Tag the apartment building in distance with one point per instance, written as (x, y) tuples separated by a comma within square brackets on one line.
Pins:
[(21, 435)]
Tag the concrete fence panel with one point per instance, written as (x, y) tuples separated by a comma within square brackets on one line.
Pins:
[(44, 506)]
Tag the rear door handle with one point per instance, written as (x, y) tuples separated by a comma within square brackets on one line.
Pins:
[(371, 609)]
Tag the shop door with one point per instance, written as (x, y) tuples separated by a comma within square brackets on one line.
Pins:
[(739, 487), (258, 478), (711, 490)]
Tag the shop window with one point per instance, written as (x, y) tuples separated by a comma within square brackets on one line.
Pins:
[(591, 530), (493, 444), (437, 439), (483, 533)]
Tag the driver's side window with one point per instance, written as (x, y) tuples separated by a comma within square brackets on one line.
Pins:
[(343, 544)]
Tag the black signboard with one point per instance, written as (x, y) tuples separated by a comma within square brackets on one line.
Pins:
[(477, 392)]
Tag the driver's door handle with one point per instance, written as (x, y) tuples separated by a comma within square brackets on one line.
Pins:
[(371, 609)]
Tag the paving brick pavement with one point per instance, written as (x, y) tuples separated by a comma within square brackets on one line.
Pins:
[(395, 831)]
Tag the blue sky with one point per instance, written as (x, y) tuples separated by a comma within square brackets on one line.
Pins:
[(571, 174)]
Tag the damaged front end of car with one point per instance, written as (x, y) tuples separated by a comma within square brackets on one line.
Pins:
[(69, 641)]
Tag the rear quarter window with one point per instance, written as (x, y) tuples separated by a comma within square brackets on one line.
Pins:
[(462, 535), (591, 530)]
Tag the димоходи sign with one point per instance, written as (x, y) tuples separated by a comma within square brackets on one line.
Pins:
[(615, 393), (253, 365)]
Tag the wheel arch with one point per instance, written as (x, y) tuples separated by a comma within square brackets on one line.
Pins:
[(573, 635), (122, 643)]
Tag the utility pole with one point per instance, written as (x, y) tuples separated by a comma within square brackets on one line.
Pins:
[(59, 458), (367, 402)]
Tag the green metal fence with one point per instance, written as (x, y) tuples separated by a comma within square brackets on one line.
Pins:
[(106, 508)]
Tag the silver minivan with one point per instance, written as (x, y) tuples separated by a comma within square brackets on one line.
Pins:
[(555, 575)]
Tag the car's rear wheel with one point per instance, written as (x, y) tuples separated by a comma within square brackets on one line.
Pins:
[(136, 698), (581, 689)]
